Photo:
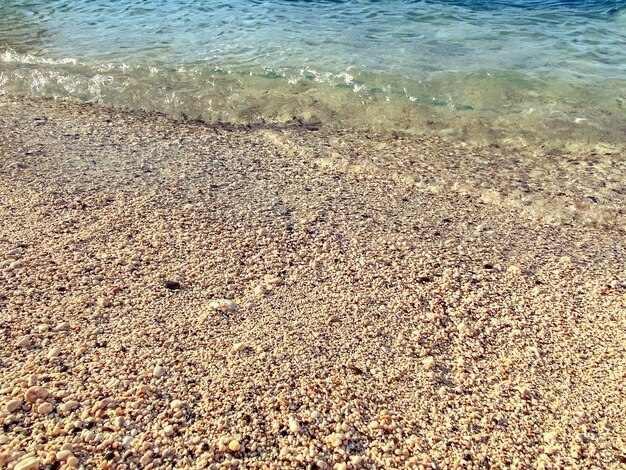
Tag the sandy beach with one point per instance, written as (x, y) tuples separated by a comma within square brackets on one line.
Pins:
[(179, 295)]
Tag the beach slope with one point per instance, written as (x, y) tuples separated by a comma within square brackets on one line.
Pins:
[(177, 294)]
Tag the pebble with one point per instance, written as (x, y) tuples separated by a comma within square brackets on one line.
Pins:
[(356, 460), (146, 458), (29, 463), (238, 347), (335, 440), (65, 455), (464, 329), (429, 362), (159, 371), (234, 445), (168, 430), (176, 404), (223, 305), (549, 437), (23, 342), (13, 406), (45, 408), (171, 285), (513, 269), (35, 393), (72, 462), (272, 280), (294, 427), (69, 406), (5, 458), (54, 352), (63, 326), (260, 290)]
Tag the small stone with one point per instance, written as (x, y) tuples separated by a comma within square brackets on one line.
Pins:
[(171, 285), (234, 445), (67, 446), (5, 458), (45, 408), (176, 404), (63, 326), (64, 455), (374, 425), (54, 352), (13, 406), (294, 427), (238, 347), (29, 463), (332, 319), (35, 393), (104, 303), (464, 329), (72, 462), (549, 437), (118, 422), (335, 440), (260, 290), (429, 362), (272, 280), (356, 460), (146, 458), (168, 430), (69, 406), (159, 371), (23, 342), (223, 305), (513, 269), (524, 393)]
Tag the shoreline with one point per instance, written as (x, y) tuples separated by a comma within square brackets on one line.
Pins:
[(334, 299)]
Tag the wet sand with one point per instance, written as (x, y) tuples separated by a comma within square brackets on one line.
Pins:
[(191, 296)]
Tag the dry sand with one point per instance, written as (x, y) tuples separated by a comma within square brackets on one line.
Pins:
[(179, 295)]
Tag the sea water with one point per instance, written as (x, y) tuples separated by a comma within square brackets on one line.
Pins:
[(511, 70)]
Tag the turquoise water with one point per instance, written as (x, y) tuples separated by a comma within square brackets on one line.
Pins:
[(512, 70)]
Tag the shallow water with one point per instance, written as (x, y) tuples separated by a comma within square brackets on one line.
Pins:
[(477, 70)]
